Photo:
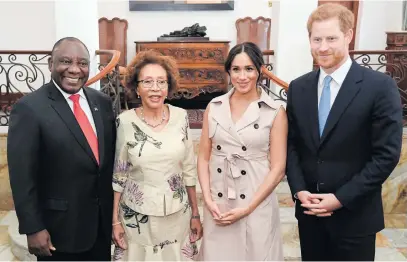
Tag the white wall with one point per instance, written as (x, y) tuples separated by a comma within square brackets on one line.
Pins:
[(27, 25), (375, 19), (147, 26), (290, 35), (79, 18)]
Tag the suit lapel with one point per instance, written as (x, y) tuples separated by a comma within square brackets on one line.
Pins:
[(60, 105), (347, 92), (310, 106), (97, 118)]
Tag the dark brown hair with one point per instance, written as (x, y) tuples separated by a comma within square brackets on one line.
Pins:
[(252, 50), (149, 57)]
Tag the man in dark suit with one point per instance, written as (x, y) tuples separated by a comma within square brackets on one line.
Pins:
[(345, 130), (60, 155)]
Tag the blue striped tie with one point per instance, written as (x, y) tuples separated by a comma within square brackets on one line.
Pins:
[(324, 104)]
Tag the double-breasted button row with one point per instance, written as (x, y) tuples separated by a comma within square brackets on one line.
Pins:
[(242, 196)]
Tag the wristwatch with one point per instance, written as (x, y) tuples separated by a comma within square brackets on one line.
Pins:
[(196, 217)]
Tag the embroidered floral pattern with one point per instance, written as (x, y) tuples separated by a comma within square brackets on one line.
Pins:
[(142, 138), (119, 180), (133, 193), (129, 213), (162, 244), (186, 207), (189, 250), (118, 253), (176, 186), (185, 128), (121, 166)]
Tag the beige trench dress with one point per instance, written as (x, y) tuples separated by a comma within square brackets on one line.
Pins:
[(239, 163)]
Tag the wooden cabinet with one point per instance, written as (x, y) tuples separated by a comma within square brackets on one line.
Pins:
[(396, 40), (201, 65)]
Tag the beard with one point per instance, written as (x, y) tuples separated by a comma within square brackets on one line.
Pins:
[(331, 61)]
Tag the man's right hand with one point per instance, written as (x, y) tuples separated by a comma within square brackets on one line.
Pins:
[(39, 244), (304, 197)]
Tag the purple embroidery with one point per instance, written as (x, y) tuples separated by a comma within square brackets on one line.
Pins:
[(175, 182), (177, 187), (134, 194), (121, 166)]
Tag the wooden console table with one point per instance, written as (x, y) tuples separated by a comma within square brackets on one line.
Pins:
[(201, 65)]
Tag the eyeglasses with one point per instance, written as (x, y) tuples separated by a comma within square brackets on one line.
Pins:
[(161, 84)]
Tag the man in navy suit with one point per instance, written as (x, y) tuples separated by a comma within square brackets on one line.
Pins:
[(345, 131)]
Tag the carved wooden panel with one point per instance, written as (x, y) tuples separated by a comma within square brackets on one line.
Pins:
[(190, 52), (201, 65), (396, 39)]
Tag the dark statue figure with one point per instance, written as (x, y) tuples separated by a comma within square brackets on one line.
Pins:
[(192, 31)]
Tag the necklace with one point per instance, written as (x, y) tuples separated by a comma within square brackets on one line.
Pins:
[(144, 120)]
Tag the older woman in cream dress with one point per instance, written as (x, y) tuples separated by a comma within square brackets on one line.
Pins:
[(155, 214)]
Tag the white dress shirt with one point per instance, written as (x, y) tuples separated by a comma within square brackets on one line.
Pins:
[(83, 102), (338, 76)]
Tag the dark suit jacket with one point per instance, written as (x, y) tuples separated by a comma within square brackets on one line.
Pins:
[(55, 180), (359, 148)]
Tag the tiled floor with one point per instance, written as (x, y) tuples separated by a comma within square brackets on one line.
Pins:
[(391, 243)]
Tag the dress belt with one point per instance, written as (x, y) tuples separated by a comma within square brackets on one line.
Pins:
[(232, 171)]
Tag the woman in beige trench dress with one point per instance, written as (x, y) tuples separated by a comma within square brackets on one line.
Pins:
[(242, 158)]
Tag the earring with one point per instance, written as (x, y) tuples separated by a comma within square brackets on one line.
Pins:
[(138, 96)]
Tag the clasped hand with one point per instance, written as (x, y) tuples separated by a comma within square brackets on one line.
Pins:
[(321, 205), (227, 218)]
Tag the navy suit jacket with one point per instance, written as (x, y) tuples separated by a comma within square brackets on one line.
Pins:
[(359, 148)]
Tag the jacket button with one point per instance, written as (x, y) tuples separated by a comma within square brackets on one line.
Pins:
[(320, 161), (242, 196), (256, 126), (220, 194), (244, 148), (243, 172), (218, 147), (219, 170)]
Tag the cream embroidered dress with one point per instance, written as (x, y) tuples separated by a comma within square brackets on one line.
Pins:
[(152, 170), (238, 165)]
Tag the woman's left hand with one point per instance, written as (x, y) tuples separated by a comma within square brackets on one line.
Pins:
[(196, 230), (232, 216)]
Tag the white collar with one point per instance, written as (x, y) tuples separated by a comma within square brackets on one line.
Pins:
[(339, 74), (66, 95)]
